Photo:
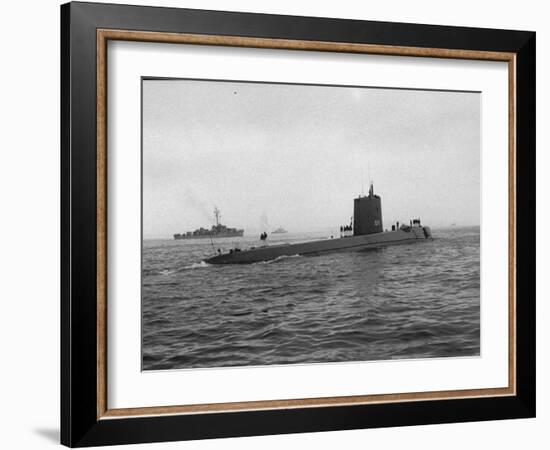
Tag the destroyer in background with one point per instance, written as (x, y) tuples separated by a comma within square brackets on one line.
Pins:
[(367, 232), (217, 231), (279, 230)]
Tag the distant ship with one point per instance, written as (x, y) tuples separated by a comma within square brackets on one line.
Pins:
[(217, 231), (279, 230), (364, 232)]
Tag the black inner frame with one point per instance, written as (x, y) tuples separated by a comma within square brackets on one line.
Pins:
[(79, 423)]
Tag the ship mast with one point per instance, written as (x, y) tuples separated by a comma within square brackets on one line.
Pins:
[(217, 215)]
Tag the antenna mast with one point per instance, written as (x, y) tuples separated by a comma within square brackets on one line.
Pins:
[(212, 243)]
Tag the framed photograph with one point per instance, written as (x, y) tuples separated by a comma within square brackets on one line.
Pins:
[(277, 224)]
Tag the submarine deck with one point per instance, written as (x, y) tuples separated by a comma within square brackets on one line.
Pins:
[(351, 243)]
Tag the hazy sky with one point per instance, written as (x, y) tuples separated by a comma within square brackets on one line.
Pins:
[(297, 154)]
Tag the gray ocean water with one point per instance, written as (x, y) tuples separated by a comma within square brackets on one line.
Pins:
[(417, 300)]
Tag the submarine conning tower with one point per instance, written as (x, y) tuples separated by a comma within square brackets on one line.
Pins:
[(367, 214)]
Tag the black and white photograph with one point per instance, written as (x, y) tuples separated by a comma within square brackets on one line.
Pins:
[(298, 224)]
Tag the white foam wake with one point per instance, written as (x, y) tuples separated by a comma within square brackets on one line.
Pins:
[(280, 258), (199, 265)]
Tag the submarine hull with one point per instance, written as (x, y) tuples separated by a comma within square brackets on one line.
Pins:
[(351, 243)]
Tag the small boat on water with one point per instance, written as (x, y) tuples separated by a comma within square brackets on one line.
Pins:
[(366, 229), (217, 231)]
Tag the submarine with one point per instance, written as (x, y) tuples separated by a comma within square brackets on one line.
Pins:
[(366, 232)]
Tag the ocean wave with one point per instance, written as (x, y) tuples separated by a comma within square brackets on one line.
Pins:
[(420, 301)]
